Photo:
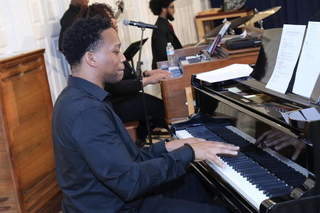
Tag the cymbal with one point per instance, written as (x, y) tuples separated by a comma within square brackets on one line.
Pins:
[(261, 15), (252, 31), (234, 24)]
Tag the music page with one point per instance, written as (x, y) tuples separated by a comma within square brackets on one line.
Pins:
[(288, 53), (309, 64), (226, 73)]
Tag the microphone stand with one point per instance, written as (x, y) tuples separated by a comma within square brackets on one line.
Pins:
[(139, 77)]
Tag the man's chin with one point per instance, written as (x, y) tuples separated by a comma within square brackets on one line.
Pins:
[(170, 17), (120, 75), (112, 79)]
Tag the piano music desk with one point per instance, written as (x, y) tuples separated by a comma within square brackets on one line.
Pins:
[(173, 89)]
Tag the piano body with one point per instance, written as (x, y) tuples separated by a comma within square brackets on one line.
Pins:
[(173, 89), (260, 179), (27, 168)]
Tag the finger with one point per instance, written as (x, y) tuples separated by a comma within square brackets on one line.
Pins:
[(228, 152), (295, 154), (281, 145), (225, 149), (262, 136), (217, 161), (274, 141), (200, 139)]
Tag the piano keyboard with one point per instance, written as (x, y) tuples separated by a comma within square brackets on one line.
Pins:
[(255, 174)]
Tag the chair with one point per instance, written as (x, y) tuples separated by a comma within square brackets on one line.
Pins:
[(132, 129)]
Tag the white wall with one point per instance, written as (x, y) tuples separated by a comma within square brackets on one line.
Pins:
[(27, 25)]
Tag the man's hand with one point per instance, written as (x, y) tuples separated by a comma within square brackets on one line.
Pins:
[(153, 72), (206, 150), (155, 76)]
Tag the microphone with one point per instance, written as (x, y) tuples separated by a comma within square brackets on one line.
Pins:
[(139, 24)]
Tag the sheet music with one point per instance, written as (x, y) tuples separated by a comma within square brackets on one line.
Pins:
[(226, 73), (288, 53), (309, 64)]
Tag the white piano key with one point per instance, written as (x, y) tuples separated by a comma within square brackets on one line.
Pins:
[(247, 190), (182, 134)]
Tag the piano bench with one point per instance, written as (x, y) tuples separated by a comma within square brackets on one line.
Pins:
[(132, 129)]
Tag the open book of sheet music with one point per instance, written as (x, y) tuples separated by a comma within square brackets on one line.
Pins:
[(301, 50)]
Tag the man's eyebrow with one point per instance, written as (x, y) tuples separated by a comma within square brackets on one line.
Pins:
[(117, 45)]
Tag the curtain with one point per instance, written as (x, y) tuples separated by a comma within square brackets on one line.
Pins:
[(291, 12)]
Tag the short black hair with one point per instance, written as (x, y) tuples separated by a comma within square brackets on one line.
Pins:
[(157, 5), (102, 9), (82, 36)]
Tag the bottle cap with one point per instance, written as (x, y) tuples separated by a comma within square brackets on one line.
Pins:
[(169, 43)]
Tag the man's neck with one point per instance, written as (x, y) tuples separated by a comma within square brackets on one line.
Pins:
[(163, 15), (87, 74)]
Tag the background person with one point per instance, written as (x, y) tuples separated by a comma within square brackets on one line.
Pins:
[(164, 9), (70, 16)]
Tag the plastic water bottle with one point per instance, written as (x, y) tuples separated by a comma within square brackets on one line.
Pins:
[(170, 54)]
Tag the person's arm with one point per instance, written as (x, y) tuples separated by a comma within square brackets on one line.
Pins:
[(125, 86), (118, 163), (130, 84)]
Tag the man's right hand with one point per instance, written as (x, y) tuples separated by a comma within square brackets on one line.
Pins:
[(205, 150), (208, 150)]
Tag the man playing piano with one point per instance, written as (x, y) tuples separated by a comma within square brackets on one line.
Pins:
[(98, 166)]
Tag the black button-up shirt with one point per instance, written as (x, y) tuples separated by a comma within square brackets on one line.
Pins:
[(98, 166)]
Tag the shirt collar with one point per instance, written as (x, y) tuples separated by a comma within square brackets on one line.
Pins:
[(88, 87)]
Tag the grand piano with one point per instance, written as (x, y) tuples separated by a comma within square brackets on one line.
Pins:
[(260, 178)]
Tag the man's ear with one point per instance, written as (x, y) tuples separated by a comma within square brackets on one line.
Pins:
[(89, 57), (164, 10)]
